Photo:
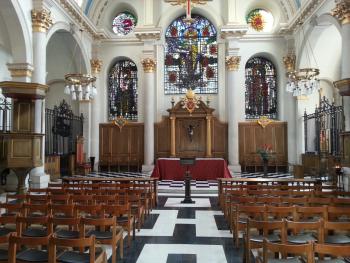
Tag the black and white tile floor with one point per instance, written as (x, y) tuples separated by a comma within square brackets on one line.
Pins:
[(186, 233)]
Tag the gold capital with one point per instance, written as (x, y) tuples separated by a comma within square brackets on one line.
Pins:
[(20, 69), (289, 62), (41, 20), (149, 65), (96, 66), (342, 11), (232, 63)]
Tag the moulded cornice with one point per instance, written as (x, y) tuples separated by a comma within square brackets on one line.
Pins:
[(228, 31), (148, 33)]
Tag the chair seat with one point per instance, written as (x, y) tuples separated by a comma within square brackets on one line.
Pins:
[(286, 260), (5, 231), (76, 257), (35, 232), (63, 233), (3, 254), (337, 239), (330, 261), (260, 238), (301, 238), (100, 234), (33, 255)]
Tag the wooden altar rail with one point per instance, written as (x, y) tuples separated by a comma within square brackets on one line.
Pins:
[(80, 180), (303, 183)]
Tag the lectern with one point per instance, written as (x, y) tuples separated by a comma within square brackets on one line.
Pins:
[(187, 178)]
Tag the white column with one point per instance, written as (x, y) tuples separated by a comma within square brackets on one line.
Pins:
[(85, 109), (301, 102), (149, 66), (345, 70), (233, 102), (41, 22), (342, 13)]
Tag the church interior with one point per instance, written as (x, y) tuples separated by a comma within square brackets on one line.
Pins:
[(175, 131)]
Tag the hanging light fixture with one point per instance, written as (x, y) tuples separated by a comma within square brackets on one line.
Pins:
[(304, 81), (80, 86)]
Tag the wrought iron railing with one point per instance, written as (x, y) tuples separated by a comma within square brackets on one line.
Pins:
[(62, 128), (5, 114)]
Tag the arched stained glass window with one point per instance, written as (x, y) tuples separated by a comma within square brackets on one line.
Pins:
[(261, 89), (191, 59), (122, 90), (124, 23)]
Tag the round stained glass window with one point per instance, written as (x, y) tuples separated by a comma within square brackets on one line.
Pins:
[(260, 20), (124, 23)]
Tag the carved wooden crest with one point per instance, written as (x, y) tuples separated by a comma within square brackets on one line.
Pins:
[(120, 122), (264, 121)]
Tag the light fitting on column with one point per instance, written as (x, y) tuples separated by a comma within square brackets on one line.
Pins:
[(302, 81), (81, 86)]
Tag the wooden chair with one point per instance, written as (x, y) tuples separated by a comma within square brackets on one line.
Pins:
[(319, 201), (93, 211), (338, 213), (335, 253), (16, 198), (36, 209), (123, 216), (36, 226), (73, 255), (106, 232), (138, 209), (314, 213), (65, 227), (257, 231), (336, 233), (279, 212), (301, 201), (62, 199), (12, 209), (303, 232), (82, 199), (240, 217), (4, 253), (17, 254), (301, 253)]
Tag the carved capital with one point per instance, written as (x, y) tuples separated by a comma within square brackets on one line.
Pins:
[(20, 69), (289, 62), (41, 20), (232, 63), (342, 11), (96, 66), (149, 65)]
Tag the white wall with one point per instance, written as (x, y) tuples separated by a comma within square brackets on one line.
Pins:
[(5, 51)]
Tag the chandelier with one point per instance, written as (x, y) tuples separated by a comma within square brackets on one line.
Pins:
[(304, 81), (80, 86)]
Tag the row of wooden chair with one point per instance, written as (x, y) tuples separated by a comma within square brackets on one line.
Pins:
[(310, 252), (290, 232), (283, 201), (242, 213)]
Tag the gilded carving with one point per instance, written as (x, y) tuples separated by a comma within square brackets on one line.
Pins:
[(342, 11), (232, 63), (289, 62), (41, 20), (149, 65), (96, 66), (264, 121)]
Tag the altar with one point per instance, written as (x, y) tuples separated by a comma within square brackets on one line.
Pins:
[(204, 169)]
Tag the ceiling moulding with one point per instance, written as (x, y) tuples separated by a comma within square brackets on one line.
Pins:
[(233, 31), (146, 33), (306, 11), (81, 20)]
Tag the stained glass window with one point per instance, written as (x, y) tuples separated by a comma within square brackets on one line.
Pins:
[(191, 57), (261, 89), (124, 23), (260, 20), (122, 90)]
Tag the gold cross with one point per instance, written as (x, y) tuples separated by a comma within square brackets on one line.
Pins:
[(188, 5)]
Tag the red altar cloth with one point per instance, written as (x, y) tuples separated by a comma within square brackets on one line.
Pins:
[(204, 169)]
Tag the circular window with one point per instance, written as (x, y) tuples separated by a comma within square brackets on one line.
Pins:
[(260, 20), (124, 23)]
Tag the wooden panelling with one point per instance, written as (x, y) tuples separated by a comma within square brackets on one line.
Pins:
[(345, 145), (184, 146), (313, 164), (52, 166), (219, 139), (252, 137), (162, 138), (121, 147)]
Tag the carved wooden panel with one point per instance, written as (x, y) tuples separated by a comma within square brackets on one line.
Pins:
[(121, 147), (219, 139), (52, 166), (162, 138), (190, 137), (252, 137)]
